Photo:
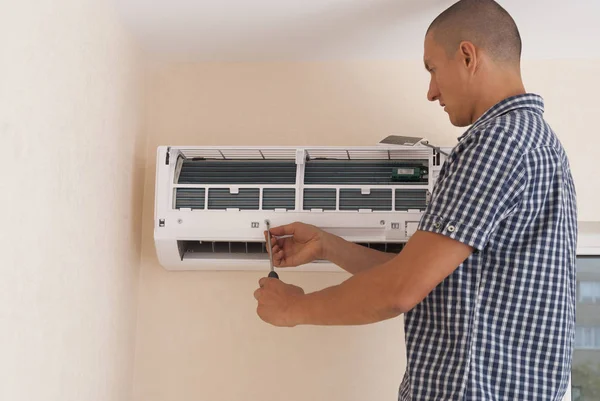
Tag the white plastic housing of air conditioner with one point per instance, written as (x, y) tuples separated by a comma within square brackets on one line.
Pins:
[(197, 225)]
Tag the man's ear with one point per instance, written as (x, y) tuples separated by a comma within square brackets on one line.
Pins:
[(468, 55)]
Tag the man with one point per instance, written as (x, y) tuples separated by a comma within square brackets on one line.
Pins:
[(487, 283)]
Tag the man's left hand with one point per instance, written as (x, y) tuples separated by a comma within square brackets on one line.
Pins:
[(275, 301)]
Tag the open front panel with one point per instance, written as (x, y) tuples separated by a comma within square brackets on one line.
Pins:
[(366, 172), (245, 199), (276, 198), (211, 172), (220, 179), (319, 199), (237, 172), (413, 199), (190, 198), (376, 199)]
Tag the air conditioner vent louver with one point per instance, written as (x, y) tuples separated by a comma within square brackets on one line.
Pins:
[(246, 199), (319, 199), (378, 199), (274, 198), (192, 198), (356, 172), (200, 249), (411, 199), (237, 172)]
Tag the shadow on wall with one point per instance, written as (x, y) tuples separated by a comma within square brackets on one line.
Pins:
[(138, 168)]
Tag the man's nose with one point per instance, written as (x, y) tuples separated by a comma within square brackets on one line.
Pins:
[(433, 94)]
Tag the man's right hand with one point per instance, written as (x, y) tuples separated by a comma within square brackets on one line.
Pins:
[(305, 244)]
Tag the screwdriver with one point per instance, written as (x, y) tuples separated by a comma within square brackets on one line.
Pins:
[(272, 273)]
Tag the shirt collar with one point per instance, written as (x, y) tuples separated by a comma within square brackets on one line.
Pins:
[(529, 101)]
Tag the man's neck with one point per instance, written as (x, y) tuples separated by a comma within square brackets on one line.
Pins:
[(499, 89)]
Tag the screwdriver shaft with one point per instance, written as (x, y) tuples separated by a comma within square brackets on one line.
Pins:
[(272, 273)]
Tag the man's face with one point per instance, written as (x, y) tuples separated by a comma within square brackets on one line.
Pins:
[(449, 82)]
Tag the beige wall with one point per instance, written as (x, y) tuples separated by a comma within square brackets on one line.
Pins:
[(71, 183), (198, 336)]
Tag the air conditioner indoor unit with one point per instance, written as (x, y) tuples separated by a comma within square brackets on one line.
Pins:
[(212, 203)]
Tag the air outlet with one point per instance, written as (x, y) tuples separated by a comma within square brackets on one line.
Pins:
[(362, 172), (252, 250), (237, 172), (221, 198), (274, 198), (411, 199), (319, 199), (191, 198), (377, 199)]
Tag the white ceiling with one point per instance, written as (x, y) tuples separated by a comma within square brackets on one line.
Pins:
[(280, 30)]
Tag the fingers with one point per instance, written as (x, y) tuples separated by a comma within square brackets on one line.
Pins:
[(277, 250), (264, 281), (277, 255), (278, 258), (287, 229), (261, 284), (274, 240), (267, 282)]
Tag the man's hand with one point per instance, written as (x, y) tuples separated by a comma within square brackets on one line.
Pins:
[(304, 244), (275, 300), (371, 295), (301, 243)]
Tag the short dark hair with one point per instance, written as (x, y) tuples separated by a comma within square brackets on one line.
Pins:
[(484, 23)]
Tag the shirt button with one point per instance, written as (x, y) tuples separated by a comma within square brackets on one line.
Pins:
[(451, 228), (437, 225)]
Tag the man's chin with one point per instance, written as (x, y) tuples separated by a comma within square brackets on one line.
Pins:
[(456, 122)]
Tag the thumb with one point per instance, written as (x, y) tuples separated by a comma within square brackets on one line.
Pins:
[(287, 229)]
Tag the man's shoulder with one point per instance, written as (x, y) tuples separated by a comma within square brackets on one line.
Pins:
[(522, 129), (512, 140), (498, 138)]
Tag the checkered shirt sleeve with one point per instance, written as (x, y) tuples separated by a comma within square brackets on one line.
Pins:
[(479, 185)]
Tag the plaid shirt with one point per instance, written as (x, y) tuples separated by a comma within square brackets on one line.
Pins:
[(501, 326)]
